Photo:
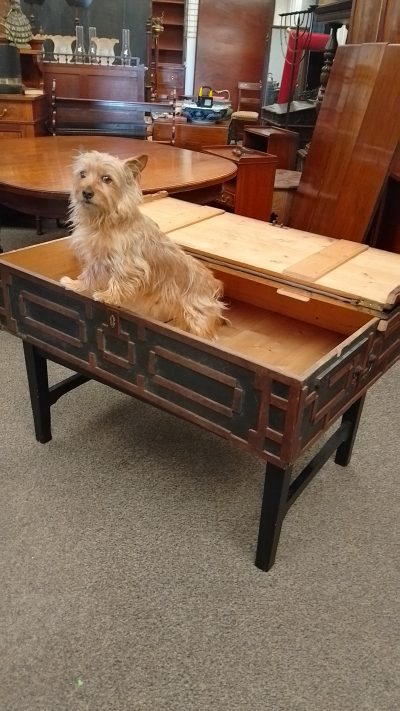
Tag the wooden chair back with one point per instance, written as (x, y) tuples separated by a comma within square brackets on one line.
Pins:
[(249, 96)]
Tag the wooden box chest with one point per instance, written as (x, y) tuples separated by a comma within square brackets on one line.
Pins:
[(313, 322)]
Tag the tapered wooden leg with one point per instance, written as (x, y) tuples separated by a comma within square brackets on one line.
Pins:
[(273, 510), (36, 369), (39, 229), (352, 418)]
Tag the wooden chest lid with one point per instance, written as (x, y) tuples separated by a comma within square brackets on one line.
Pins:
[(364, 275)]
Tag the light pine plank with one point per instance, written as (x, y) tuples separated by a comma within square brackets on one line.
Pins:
[(172, 214), (326, 260)]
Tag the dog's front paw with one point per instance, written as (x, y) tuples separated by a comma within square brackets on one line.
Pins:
[(99, 296), (72, 284), (66, 281)]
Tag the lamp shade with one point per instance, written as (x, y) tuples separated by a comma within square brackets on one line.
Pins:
[(10, 70)]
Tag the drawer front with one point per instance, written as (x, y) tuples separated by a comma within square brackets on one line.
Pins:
[(223, 393), (11, 132), (15, 111), (333, 387), (171, 76)]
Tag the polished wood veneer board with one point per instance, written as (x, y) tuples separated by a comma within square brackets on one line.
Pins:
[(353, 144), (374, 21)]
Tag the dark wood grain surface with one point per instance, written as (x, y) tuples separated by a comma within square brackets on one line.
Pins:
[(374, 21), (353, 145), (232, 42)]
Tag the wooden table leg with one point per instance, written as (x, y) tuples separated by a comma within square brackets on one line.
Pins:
[(352, 418), (280, 493), (36, 370), (43, 397), (273, 510)]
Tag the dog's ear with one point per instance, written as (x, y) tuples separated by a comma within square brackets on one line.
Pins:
[(137, 163)]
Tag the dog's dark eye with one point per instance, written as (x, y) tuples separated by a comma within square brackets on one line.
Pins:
[(106, 179), (82, 174)]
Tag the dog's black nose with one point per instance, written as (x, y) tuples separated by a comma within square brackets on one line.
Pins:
[(87, 193)]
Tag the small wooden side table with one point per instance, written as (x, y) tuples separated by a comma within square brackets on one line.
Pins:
[(250, 192), (277, 141), (23, 115)]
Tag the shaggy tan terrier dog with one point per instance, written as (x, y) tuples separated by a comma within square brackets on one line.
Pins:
[(126, 260)]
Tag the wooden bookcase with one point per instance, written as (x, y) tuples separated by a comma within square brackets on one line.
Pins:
[(171, 71)]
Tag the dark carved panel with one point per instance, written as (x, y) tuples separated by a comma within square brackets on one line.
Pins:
[(54, 316), (333, 387)]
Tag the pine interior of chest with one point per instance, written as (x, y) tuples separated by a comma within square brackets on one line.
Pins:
[(267, 324)]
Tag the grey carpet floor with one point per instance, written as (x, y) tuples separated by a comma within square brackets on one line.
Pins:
[(127, 577)]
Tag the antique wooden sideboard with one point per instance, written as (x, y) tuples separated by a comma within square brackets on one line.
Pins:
[(313, 323), (94, 81)]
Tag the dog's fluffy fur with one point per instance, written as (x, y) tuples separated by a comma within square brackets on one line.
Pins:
[(126, 260)]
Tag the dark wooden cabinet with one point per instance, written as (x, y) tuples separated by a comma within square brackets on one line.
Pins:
[(170, 67), (22, 116), (277, 141), (250, 192), (172, 15), (170, 80), (89, 81)]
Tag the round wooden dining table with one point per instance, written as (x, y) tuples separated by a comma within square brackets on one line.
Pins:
[(35, 173)]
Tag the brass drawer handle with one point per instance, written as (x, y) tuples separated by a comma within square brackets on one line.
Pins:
[(3, 113)]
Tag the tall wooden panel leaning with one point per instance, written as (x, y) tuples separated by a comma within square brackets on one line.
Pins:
[(352, 149)]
